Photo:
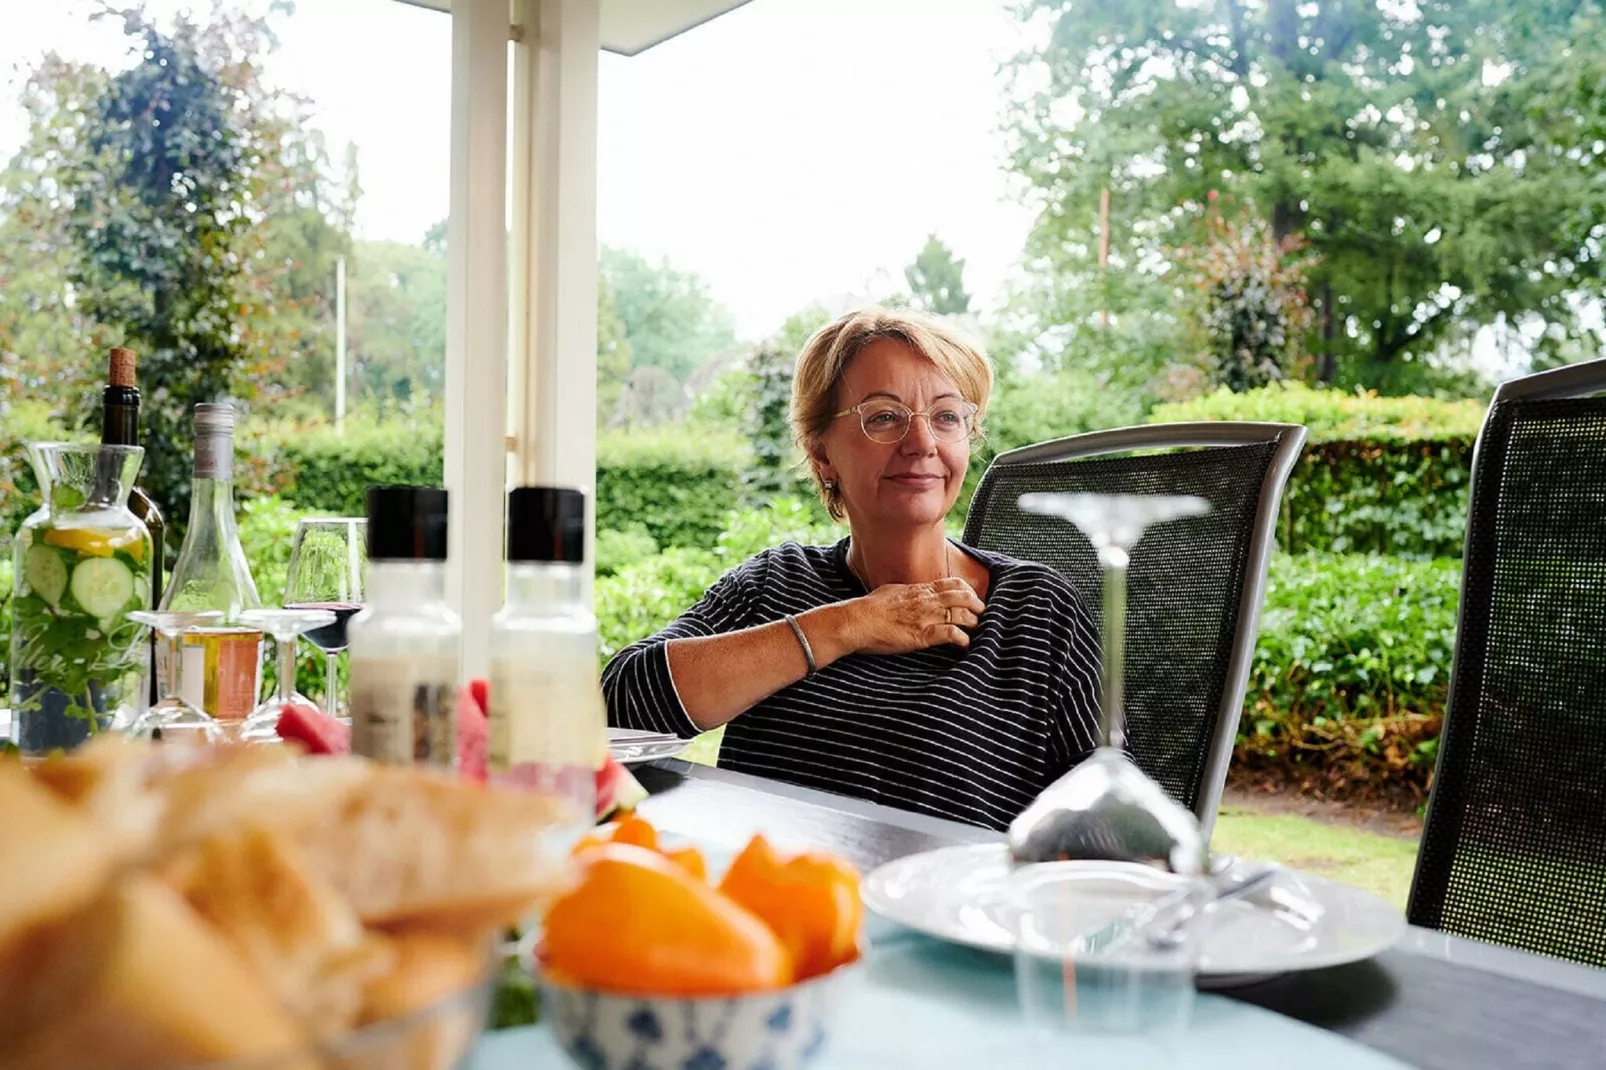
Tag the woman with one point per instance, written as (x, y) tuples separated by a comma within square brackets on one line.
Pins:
[(896, 666)]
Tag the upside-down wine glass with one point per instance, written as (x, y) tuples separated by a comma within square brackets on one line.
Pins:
[(173, 717), (1106, 807), (327, 563), (262, 724)]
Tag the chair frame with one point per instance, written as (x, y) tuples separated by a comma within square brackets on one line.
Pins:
[(1569, 381), (1290, 441)]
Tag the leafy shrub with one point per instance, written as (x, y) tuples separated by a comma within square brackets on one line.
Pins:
[(331, 472), (1336, 416), (1380, 474), (642, 597), (5, 630), (676, 485), (1352, 672), (616, 549), (1247, 295)]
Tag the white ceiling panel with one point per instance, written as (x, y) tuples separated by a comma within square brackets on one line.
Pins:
[(632, 26)]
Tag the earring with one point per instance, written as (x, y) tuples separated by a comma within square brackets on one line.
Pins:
[(828, 484)]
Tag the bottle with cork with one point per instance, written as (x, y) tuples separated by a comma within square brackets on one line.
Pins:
[(119, 426)]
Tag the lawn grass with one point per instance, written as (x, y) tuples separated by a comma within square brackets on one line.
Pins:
[(1379, 863), (1370, 860)]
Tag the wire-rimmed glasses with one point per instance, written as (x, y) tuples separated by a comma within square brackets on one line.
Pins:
[(886, 421), (173, 717), (262, 724), (1106, 807)]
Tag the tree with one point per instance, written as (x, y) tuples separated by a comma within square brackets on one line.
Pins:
[(613, 352), (180, 207), (159, 201), (396, 322), (670, 319), (1401, 140), (1248, 301), (937, 280)]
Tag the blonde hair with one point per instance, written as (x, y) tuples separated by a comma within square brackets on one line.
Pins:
[(829, 351)]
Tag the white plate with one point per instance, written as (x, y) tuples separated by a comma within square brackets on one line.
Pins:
[(957, 894), (631, 746)]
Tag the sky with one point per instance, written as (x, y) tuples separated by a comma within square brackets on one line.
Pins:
[(789, 151)]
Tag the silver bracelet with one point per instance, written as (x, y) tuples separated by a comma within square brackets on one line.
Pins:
[(803, 641)]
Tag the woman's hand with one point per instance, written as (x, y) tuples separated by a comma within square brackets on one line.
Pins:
[(899, 617)]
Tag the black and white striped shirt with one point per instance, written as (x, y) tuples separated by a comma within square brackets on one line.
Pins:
[(972, 735)]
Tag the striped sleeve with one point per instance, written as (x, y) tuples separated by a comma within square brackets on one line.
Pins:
[(1074, 716), (636, 684)]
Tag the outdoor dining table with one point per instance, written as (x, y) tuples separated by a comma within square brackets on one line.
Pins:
[(1433, 1001)]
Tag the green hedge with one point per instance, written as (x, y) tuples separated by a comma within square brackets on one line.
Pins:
[(1379, 474), (1352, 672), (331, 473), (1349, 681), (675, 483)]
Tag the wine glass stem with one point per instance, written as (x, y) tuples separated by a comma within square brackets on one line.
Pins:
[(175, 665), (286, 683), (331, 668), (1114, 661)]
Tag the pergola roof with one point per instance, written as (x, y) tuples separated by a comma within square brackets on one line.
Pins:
[(632, 26)]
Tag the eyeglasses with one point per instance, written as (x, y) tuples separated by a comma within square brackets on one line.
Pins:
[(887, 421)]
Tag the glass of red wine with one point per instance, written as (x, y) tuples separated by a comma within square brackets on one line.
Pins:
[(327, 563)]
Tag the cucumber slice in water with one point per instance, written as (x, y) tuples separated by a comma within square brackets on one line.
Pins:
[(102, 585), (46, 573)]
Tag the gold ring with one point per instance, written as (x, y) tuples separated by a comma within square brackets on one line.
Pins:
[(949, 614)]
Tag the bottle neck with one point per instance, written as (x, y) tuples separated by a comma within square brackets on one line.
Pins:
[(119, 425), (212, 505), (545, 586), (401, 586)]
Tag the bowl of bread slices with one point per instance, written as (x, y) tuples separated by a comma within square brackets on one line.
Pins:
[(183, 907)]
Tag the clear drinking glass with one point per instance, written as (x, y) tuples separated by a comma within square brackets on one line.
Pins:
[(1091, 962), (327, 563), (262, 724), (173, 716), (1106, 807)]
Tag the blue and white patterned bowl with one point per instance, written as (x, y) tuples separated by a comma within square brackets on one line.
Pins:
[(780, 1029)]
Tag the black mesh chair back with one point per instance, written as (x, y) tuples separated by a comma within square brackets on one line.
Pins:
[(1195, 585), (1514, 847)]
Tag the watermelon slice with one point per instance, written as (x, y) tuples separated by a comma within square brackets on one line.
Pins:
[(313, 729), (617, 789), (473, 725)]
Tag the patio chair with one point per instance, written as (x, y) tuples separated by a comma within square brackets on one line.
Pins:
[(1195, 586), (1514, 848)]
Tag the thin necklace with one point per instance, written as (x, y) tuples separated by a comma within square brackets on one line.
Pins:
[(947, 563)]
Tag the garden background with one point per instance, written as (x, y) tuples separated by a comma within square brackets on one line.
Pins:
[(1355, 217)]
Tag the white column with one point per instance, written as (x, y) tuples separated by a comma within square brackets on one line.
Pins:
[(476, 320), (555, 246)]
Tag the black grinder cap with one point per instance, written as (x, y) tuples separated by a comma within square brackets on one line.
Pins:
[(546, 524), (406, 524)]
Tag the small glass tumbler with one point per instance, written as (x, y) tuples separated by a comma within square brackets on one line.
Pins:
[(1094, 959)]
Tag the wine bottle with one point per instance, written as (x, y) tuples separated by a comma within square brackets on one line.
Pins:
[(221, 667), (119, 426)]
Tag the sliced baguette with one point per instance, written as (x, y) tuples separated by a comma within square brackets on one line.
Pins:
[(139, 981), (416, 848), (292, 930), (52, 859)]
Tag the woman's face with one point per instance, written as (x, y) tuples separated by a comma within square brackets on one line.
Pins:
[(912, 483)]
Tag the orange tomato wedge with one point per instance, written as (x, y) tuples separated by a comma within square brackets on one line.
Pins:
[(811, 901), (637, 922)]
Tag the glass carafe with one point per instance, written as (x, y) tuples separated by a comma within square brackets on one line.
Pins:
[(82, 562)]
